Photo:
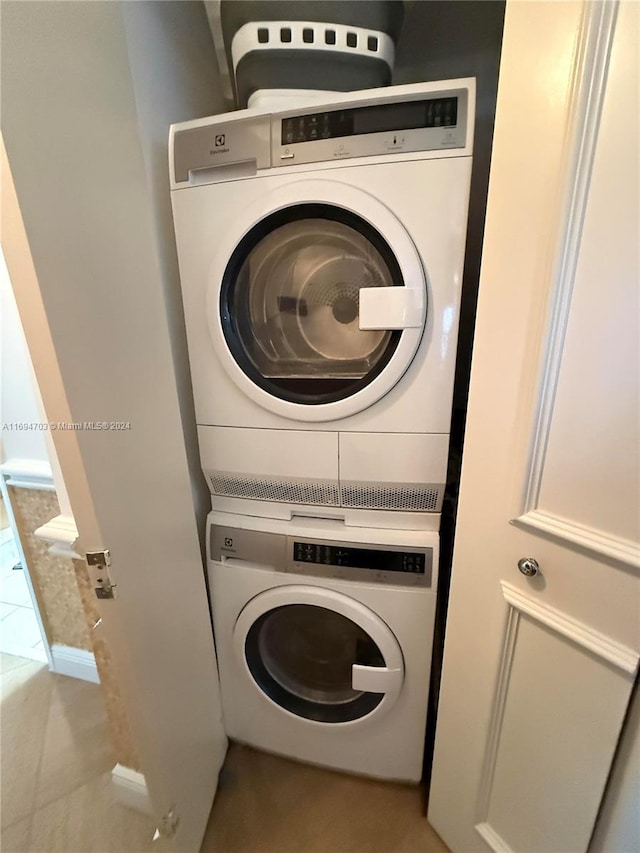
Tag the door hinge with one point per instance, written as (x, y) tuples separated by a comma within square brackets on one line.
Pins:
[(98, 563)]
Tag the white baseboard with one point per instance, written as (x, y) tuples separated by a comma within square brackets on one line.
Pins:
[(130, 789), (76, 663)]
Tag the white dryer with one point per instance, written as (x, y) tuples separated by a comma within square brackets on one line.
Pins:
[(321, 253), (323, 637)]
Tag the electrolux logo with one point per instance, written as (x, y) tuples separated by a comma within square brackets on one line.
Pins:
[(219, 143)]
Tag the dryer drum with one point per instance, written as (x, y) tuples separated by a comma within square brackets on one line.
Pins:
[(290, 303)]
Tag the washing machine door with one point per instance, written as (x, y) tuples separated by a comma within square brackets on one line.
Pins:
[(321, 302), (319, 655)]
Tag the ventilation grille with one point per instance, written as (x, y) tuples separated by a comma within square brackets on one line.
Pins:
[(418, 498), (319, 492), (398, 496)]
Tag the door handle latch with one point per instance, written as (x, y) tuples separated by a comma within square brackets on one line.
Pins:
[(376, 679), (398, 307)]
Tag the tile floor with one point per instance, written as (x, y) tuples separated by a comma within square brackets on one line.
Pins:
[(56, 761), (56, 795), (19, 631)]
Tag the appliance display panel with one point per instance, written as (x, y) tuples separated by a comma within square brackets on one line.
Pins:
[(359, 558), (383, 118)]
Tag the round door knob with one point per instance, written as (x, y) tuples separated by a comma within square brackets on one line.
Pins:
[(528, 566)]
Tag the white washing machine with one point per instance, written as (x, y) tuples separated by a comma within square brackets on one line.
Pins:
[(321, 253), (324, 636)]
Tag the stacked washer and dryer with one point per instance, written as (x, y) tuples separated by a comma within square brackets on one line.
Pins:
[(321, 253)]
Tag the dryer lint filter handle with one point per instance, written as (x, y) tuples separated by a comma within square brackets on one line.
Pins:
[(391, 308), (376, 679)]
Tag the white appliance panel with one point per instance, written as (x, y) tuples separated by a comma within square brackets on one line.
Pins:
[(271, 465), (399, 457), (440, 239), (290, 453)]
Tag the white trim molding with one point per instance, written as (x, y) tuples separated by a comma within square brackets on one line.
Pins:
[(130, 789), (495, 842), (621, 656), (62, 533), (588, 538), (608, 650), (592, 65), (493, 740), (76, 663), (28, 474), (591, 71)]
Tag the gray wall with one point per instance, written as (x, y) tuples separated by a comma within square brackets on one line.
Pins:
[(79, 183), (175, 78)]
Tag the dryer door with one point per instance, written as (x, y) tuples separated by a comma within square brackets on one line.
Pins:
[(319, 655), (318, 309)]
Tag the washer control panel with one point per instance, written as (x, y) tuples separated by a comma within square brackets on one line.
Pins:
[(347, 556), (385, 564), (360, 562)]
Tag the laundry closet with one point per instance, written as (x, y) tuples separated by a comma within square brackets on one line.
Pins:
[(322, 299)]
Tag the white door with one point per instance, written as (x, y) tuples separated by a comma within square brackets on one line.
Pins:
[(130, 493), (538, 670)]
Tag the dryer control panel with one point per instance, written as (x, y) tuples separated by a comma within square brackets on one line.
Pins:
[(386, 564), (419, 123), (428, 119)]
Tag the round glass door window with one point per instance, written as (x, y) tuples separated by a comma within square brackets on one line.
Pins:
[(301, 656), (290, 303)]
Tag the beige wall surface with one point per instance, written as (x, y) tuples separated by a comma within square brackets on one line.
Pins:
[(53, 578), (119, 727), (67, 606)]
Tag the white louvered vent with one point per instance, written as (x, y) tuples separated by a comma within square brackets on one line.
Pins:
[(415, 498), (273, 489)]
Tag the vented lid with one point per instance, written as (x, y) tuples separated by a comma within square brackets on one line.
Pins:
[(323, 45)]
